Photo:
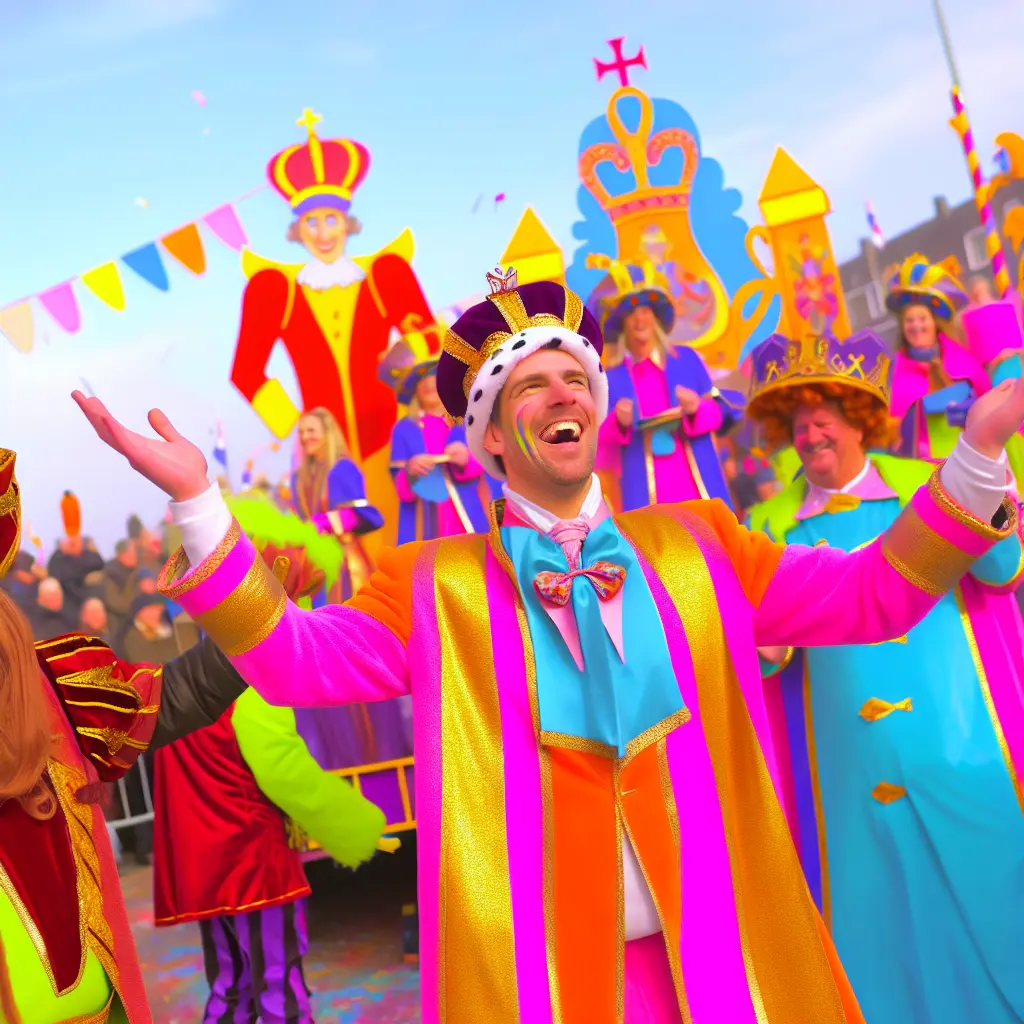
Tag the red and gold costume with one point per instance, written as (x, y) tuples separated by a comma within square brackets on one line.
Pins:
[(334, 335)]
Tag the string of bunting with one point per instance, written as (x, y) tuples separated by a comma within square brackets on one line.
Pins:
[(184, 245)]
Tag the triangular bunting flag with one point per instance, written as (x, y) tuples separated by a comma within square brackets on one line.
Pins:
[(224, 223), (61, 304), (186, 247), (105, 283), (16, 325), (146, 262)]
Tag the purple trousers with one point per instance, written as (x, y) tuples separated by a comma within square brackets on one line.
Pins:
[(254, 966)]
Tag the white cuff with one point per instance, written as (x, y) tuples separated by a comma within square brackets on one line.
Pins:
[(975, 482), (203, 521)]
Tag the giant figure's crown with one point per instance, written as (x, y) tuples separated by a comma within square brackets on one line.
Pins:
[(861, 361), (319, 172), (638, 152)]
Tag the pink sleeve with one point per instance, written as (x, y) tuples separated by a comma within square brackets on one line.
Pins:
[(706, 420), (332, 655), (470, 472), (347, 521), (612, 432), (405, 492), (821, 596)]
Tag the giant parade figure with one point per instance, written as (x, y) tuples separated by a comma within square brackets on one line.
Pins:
[(334, 314)]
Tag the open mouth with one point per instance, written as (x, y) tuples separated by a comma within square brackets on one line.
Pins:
[(562, 432)]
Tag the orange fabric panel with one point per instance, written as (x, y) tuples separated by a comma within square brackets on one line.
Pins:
[(586, 858), (754, 555), (850, 1005), (655, 834), (387, 595)]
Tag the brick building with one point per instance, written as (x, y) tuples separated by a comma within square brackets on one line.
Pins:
[(953, 231)]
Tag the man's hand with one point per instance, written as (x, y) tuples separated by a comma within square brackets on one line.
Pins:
[(458, 454), (689, 401), (995, 417), (174, 464), (1007, 353), (624, 412), (418, 467)]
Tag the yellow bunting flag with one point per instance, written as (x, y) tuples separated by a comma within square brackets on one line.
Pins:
[(105, 283), (16, 325)]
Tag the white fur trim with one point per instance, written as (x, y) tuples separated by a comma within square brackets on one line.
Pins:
[(320, 276), (493, 374)]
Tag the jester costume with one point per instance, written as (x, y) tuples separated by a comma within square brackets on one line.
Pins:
[(662, 456), (238, 870), (66, 937), (602, 852)]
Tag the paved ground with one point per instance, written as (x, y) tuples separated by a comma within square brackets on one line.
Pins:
[(354, 965)]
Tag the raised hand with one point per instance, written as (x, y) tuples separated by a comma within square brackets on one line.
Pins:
[(689, 400), (174, 463), (995, 417)]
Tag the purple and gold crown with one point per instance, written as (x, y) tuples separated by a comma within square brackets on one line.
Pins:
[(319, 172), (482, 330), (861, 361), (627, 287), (637, 152)]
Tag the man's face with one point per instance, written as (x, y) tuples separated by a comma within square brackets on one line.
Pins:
[(151, 615), (825, 440), (51, 596), (129, 557), (147, 585), (919, 328), (981, 291), (72, 546), (324, 232), (640, 332), (94, 615), (311, 435), (546, 398)]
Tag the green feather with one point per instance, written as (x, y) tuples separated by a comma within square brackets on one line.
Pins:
[(264, 523)]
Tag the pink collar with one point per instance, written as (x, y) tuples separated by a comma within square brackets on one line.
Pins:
[(871, 487)]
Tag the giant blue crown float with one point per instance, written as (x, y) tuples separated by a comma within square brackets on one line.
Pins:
[(647, 195)]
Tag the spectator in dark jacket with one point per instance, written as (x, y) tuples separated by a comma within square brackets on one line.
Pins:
[(120, 586), (49, 615)]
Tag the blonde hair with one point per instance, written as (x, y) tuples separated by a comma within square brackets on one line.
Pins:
[(334, 449), (25, 738), (616, 352)]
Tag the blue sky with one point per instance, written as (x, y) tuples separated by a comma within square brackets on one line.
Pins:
[(454, 99)]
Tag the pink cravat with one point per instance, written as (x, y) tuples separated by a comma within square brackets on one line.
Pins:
[(570, 534)]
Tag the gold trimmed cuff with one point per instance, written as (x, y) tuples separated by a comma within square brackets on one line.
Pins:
[(923, 558), (249, 614), (178, 565), (949, 507)]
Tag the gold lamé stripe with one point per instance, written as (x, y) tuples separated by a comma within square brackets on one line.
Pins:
[(496, 513), (461, 350), (456, 499), (510, 305), (249, 614), (954, 511), (67, 781), (178, 564), (476, 947), (921, 556), (9, 499), (986, 691), (790, 982), (620, 910), (94, 1018), (573, 311), (819, 810), (691, 461)]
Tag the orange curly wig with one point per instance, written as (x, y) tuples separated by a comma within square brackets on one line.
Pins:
[(775, 413)]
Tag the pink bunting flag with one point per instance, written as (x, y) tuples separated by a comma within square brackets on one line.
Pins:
[(61, 304), (224, 223)]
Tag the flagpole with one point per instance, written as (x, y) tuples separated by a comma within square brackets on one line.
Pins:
[(961, 124)]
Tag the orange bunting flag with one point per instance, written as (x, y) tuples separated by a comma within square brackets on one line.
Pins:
[(186, 247)]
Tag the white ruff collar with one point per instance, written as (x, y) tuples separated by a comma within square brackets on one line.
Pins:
[(321, 276)]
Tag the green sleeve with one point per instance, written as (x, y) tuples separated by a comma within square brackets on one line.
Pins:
[(324, 806)]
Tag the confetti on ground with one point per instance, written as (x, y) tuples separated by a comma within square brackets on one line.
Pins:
[(354, 966)]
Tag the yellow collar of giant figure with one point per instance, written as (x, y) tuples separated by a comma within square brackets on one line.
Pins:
[(404, 245), (10, 512)]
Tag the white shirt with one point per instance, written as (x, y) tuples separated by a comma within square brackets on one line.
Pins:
[(976, 483)]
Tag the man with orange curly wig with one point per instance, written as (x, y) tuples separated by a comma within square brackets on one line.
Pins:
[(905, 755)]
